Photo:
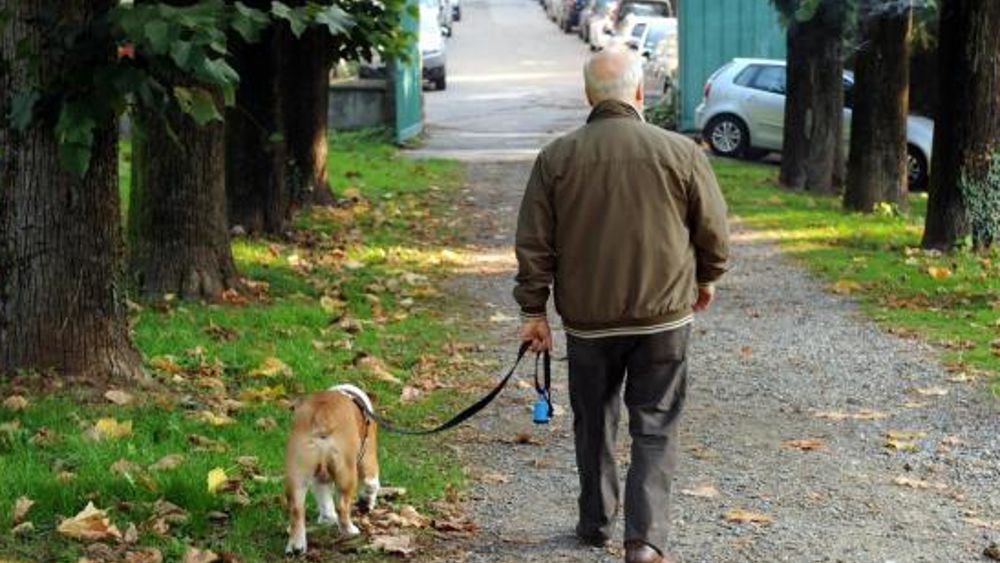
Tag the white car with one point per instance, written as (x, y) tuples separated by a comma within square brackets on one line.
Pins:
[(742, 114)]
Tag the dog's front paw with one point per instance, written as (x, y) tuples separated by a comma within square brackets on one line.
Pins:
[(328, 519), (350, 530), (295, 548)]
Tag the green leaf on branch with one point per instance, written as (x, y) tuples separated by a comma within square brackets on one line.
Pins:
[(335, 19), (157, 35), (249, 22), (22, 109), (75, 133), (296, 18), (198, 103)]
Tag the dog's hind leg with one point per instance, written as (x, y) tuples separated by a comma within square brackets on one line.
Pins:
[(295, 494), (323, 493), (347, 487), (368, 470)]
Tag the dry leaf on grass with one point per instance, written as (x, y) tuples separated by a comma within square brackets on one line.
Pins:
[(938, 273), (805, 444), (903, 440), (701, 491), (742, 516), (409, 517), (23, 529), (21, 507), (216, 478), (409, 394), (209, 417), (266, 423), (494, 478), (15, 403), (144, 555), (272, 367), (119, 397), (195, 555), (845, 287), (904, 481), (932, 391), (167, 462), (377, 369), (90, 524), (455, 525), (166, 364), (109, 429), (123, 466), (527, 439), (394, 545)]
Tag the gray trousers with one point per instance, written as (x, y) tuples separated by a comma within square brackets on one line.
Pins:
[(656, 365)]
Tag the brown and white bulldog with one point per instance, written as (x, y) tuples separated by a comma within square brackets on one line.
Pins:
[(332, 444)]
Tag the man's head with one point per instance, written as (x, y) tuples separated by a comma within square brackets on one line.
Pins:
[(614, 74)]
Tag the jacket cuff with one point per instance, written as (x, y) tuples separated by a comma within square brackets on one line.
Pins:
[(533, 313)]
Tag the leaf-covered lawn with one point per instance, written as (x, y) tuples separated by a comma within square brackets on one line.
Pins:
[(950, 300), (197, 460)]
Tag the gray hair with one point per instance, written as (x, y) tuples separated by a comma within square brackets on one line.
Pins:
[(613, 74)]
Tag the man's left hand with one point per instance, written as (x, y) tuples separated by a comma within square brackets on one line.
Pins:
[(706, 293)]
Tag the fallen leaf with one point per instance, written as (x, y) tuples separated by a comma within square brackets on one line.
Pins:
[(44, 437), (216, 478), (263, 394), (15, 403), (845, 287), (131, 534), (394, 545), (409, 394), (931, 391), (939, 273), (413, 519), (123, 466), (167, 462), (389, 493), (493, 477), (701, 491), (213, 419), (90, 524), (144, 555), (195, 555), (205, 443), (21, 507), (462, 525), (272, 367), (904, 481), (266, 423), (377, 369), (746, 516), (109, 429), (903, 440), (167, 364), (527, 439), (863, 414), (23, 529), (499, 317), (906, 434), (65, 476), (119, 397), (331, 306), (805, 444)]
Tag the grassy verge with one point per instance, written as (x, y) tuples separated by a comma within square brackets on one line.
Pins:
[(351, 298), (950, 300)]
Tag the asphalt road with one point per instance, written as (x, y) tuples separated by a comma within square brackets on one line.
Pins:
[(514, 82)]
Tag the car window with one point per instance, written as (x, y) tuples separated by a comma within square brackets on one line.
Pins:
[(638, 30), (746, 75), (642, 9), (769, 79), (654, 37)]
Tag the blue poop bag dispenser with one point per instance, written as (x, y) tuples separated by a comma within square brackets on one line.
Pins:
[(541, 414)]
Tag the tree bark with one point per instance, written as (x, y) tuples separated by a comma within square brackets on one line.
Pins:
[(177, 218), (814, 100), (877, 171), (965, 170), (306, 96), (62, 305), (258, 197)]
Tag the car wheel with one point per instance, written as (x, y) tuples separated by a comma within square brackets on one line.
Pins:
[(727, 136), (440, 83), (916, 169)]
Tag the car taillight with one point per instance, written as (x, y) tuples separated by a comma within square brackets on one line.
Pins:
[(708, 89)]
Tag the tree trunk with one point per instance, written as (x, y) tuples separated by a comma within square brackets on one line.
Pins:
[(258, 196), (177, 218), (877, 170), (965, 172), (814, 101), (62, 305), (306, 95)]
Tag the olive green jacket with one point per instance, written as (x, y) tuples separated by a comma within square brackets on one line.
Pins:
[(625, 220)]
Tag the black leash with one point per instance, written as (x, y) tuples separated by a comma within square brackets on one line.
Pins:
[(479, 405)]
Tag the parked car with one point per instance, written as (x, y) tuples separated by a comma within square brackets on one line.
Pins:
[(442, 12), (456, 10), (597, 23), (640, 8), (644, 38), (569, 15), (433, 50), (660, 68), (743, 110)]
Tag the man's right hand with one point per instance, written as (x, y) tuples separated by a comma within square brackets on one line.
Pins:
[(706, 293), (537, 332)]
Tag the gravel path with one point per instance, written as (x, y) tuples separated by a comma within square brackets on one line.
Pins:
[(775, 351)]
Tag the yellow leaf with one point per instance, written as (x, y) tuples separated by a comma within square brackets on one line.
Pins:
[(746, 516), (263, 393), (90, 524), (15, 403), (845, 287), (216, 478), (210, 417), (939, 273), (331, 305), (21, 507), (272, 367), (110, 429)]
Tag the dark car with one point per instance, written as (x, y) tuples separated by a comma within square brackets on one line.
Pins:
[(641, 8), (569, 17)]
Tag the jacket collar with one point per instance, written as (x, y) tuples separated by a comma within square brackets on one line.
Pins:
[(608, 109)]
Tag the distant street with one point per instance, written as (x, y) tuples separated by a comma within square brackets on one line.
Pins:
[(514, 82)]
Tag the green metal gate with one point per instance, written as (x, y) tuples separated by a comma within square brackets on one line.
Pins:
[(712, 32), (408, 83)]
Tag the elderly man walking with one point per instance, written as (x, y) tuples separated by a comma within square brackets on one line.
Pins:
[(627, 222)]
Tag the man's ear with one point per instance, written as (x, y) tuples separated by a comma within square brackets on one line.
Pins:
[(640, 94)]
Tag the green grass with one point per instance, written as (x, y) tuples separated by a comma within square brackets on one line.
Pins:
[(877, 259), (356, 255)]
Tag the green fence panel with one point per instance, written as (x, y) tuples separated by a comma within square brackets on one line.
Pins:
[(408, 83), (712, 32)]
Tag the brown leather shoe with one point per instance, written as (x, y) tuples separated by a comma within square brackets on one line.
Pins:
[(639, 552)]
